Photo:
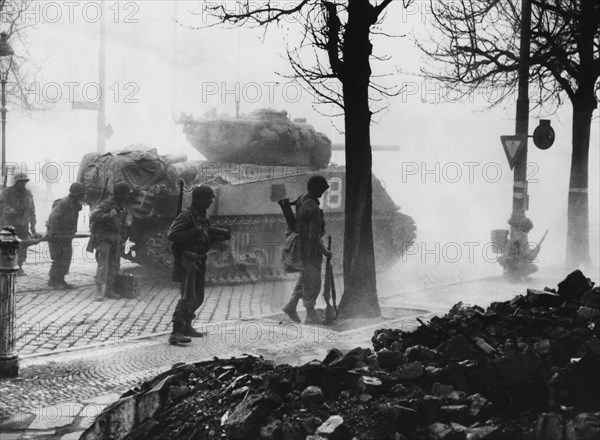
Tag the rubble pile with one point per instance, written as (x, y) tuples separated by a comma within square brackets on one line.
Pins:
[(528, 368)]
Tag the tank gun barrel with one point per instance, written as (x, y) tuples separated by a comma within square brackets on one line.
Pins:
[(377, 147)]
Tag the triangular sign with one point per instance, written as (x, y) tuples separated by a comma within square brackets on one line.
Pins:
[(513, 145)]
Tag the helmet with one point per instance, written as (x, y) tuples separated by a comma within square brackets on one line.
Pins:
[(121, 188), (77, 189), (21, 176), (316, 184), (202, 193)]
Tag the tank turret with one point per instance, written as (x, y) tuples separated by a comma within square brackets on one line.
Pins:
[(264, 137)]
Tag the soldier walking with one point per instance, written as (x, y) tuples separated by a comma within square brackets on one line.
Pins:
[(17, 209), (191, 238), (60, 229), (310, 228), (108, 226)]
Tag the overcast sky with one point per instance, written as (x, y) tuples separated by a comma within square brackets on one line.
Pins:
[(450, 174)]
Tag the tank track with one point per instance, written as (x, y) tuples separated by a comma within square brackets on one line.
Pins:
[(241, 260)]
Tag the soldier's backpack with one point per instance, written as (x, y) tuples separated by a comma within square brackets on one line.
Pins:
[(290, 253)]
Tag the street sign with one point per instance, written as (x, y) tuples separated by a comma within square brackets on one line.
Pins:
[(513, 145), (543, 135)]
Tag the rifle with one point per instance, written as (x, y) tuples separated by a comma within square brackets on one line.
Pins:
[(538, 247), (92, 243), (219, 234), (543, 238), (329, 289), (27, 242), (215, 234), (180, 198), (290, 218), (177, 272)]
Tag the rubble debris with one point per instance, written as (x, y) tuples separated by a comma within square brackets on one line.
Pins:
[(312, 395), (537, 380), (334, 429), (574, 285)]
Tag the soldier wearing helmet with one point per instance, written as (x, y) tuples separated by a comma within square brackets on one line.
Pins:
[(108, 225), (310, 228), (191, 238), (60, 229), (17, 209)]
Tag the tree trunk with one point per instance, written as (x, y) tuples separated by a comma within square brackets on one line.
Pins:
[(584, 102), (578, 246), (360, 290)]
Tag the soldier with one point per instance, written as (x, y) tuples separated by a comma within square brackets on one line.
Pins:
[(519, 255), (190, 234), (17, 209), (108, 225), (60, 229), (309, 225)]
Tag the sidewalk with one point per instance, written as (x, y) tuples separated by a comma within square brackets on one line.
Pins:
[(78, 355)]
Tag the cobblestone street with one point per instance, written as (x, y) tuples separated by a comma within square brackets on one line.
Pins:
[(55, 320), (78, 355)]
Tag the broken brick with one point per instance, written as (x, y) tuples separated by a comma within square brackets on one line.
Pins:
[(410, 370), (442, 431), (367, 384), (247, 417), (455, 413), (312, 395), (549, 427), (389, 359), (539, 298), (420, 353), (334, 429), (584, 426), (574, 285)]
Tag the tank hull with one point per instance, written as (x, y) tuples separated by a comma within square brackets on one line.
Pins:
[(246, 203)]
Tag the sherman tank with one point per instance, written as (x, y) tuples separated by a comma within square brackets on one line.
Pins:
[(269, 159)]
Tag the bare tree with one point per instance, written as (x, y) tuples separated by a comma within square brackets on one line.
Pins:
[(480, 48), (337, 34), (15, 22)]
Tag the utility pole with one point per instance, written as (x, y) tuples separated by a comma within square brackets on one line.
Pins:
[(520, 196), (101, 123), (517, 256)]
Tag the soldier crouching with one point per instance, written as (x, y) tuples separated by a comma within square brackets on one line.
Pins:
[(191, 236)]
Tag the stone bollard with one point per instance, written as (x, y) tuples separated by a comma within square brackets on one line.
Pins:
[(9, 358)]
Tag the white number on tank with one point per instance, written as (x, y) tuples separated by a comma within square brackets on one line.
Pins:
[(334, 193)]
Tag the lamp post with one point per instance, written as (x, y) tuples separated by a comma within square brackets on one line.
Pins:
[(517, 259), (6, 59)]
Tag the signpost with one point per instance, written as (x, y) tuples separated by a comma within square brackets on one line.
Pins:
[(513, 146)]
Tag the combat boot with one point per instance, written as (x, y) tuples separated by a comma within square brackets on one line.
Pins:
[(99, 293), (192, 332), (189, 330), (110, 293), (290, 310), (177, 336), (312, 317)]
